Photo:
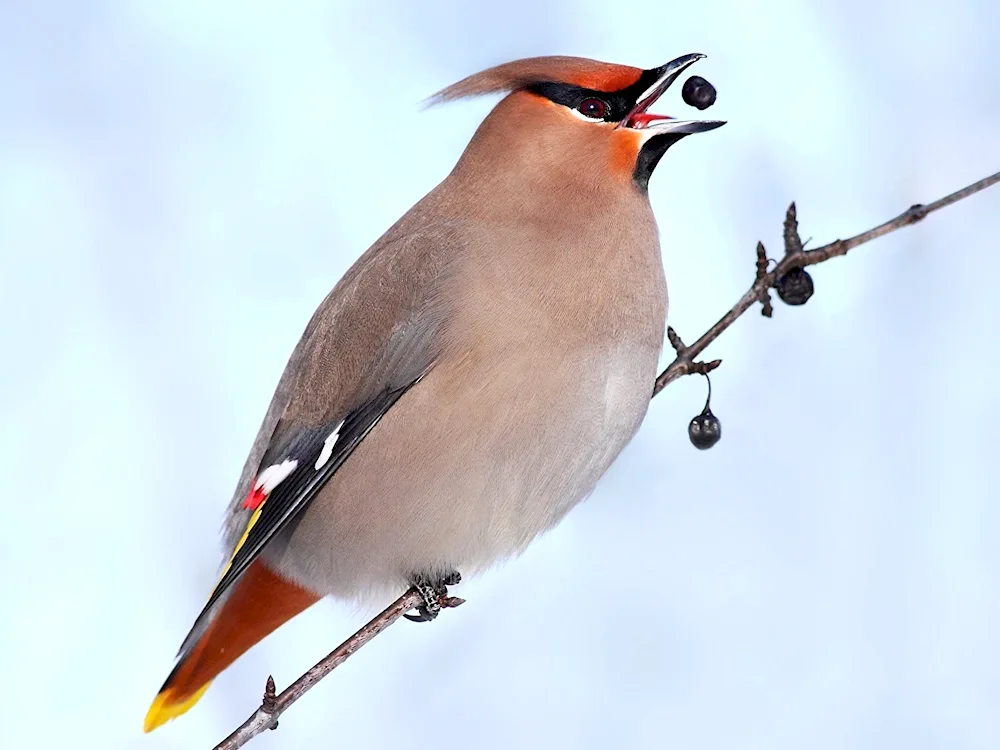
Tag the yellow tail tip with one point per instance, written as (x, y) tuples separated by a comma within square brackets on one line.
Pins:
[(165, 707)]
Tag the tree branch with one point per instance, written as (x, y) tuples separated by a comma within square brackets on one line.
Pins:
[(796, 257), (266, 717)]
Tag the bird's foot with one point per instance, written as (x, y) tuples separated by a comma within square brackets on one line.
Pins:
[(434, 591)]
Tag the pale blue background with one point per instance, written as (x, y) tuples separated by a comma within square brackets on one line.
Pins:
[(180, 184)]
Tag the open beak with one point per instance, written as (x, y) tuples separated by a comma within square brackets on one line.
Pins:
[(640, 119)]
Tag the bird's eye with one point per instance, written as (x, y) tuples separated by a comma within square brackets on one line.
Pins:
[(593, 108)]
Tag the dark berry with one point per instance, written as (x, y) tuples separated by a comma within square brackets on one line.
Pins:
[(705, 430), (698, 92), (795, 287)]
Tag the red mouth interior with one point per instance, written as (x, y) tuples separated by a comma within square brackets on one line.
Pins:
[(641, 120)]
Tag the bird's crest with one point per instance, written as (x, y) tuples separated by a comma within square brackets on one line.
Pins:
[(520, 74)]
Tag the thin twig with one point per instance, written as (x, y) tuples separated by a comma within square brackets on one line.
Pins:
[(767, 310), (685, 364), (266, 717), (273, 706)]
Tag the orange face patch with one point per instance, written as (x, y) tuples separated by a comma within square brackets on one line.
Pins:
[(624, 152), (621, 145)]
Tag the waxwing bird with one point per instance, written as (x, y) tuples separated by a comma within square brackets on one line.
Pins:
[(472, 375)]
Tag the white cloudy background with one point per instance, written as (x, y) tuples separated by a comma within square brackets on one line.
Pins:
[(180, 184)]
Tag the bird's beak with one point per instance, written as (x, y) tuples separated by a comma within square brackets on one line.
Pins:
[(640, 119)]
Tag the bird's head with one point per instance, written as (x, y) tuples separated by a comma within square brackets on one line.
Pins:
[(577, 113)]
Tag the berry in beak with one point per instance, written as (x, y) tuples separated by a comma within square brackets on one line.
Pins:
[(639, 118)]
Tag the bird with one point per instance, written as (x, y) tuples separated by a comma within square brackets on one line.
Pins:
[(471, 376)]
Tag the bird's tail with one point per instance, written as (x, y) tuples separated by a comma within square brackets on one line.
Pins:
[(260, 602)]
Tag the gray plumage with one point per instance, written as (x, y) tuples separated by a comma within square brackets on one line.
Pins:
[(471, 377), (532, 300), (486, 359)]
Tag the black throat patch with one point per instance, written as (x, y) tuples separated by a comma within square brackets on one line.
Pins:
[(649, 156)]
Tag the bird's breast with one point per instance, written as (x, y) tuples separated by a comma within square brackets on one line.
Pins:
[(555, 352), (548, 354)]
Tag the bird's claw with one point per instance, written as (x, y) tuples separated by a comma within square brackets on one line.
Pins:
[(423, 615), (434, 593)]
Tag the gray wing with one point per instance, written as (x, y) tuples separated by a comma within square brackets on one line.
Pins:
[(315, 464), (372, 339)]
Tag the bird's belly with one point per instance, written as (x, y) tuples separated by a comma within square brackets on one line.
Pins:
[(471, 465)]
